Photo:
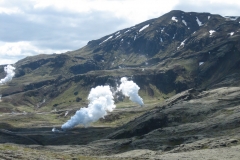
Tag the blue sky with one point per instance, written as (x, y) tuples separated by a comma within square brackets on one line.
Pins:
[(30, 27)]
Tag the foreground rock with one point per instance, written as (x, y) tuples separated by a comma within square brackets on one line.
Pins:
[(188, 125)]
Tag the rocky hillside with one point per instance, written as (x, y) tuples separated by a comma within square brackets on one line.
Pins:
[(164, 56), (189, 125), (187, 67)]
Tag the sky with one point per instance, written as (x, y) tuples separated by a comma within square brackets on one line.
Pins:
[(31, 27)]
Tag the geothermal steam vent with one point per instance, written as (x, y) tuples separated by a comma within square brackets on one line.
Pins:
[(101, 101), (130, 89), (10, 74)]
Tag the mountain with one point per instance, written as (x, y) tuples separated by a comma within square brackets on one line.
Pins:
[(165, 56), (185, 63)]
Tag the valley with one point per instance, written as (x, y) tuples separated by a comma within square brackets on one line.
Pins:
[(187, 67)]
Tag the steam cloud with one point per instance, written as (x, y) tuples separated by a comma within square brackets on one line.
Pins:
[(10, 73), (101, 101), (130, 89)]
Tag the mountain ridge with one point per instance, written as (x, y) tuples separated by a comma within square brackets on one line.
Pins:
[(185, 47)]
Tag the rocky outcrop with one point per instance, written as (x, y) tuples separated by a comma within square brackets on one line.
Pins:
[(186, 118)]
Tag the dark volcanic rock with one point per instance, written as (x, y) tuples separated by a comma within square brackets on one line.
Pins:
[(186, 118), (84, 68)]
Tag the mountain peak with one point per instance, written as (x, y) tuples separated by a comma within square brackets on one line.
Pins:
[(174, 26), (178, 50)]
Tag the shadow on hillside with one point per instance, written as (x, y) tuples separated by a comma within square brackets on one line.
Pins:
[(45, 136)]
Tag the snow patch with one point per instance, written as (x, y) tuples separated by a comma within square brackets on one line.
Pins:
[(201, 63), (184, 22), (126, 31), (174, 36), (232, 33), (174, 19), (209, 17), (144, 27), (161, 39), (66, 113), (105, 40), (118, 36), (117, 33), (135, 37), (182, 44), (199, 22), (211, 32), (162, 30), (232, 18)]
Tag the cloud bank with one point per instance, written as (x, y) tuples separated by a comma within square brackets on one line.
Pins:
[(56, 26)]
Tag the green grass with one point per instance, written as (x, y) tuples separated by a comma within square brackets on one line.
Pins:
[(68, 98), (23, 108), (31, 120)]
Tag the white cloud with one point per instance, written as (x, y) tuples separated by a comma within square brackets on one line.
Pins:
[(234, 2), (50, 26), (221, 7), (8, 61), (135, 11), (17, 48), (11, 52), (13, 10)]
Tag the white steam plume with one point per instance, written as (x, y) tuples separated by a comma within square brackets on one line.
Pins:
[(10, 73), (100, 101), (130, 89)]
